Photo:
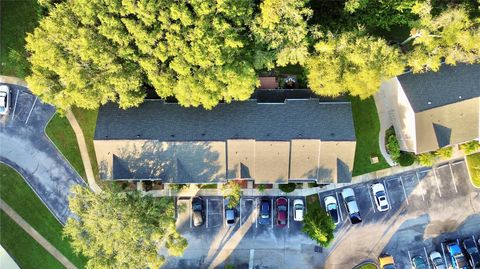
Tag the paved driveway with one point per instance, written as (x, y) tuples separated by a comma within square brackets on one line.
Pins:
[(25, 147), (428, 207)]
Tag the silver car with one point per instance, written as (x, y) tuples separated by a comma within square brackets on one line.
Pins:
[(4, 100), (437, 260)]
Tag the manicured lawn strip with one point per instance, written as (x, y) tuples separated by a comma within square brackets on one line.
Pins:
[(62, 134), (26, 252), (473, 162), (18, 195), (87, 119), (367, 128), (16, 19)]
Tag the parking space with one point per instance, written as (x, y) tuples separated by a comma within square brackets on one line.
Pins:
[(183, 213), (448, 186), (460, 173), (247, 212), (214, 213), (22, 105)]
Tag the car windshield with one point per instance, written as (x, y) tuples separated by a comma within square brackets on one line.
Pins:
[(331, 207), (197, 207), (349, 199), (298, 207), (3, 100), (282, 208), (380, 193), (438, 261)]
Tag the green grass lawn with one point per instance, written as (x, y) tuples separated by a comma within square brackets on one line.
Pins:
[(87, 119), (62, 134), (18, 195), (26, 252), (473, 162), (16, 19), (367, 128)]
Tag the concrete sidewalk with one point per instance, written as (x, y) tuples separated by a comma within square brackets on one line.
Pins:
[(385, 115), (83, 152), (35, 235)]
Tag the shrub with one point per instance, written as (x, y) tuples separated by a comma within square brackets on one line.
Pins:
[(470, 147), (287, 187), (318, 225), (393, 147), (426, 159), (406, 158), (233, 192), (261, 188), (445, 153)]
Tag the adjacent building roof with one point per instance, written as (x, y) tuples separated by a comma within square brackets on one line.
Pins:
[(271, 143), (449, 85), (293, 119)]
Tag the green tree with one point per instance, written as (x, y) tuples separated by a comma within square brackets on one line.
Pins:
[(470, 147), (281, 26), (233, 192), (351, 63), (318, 225), (88, 52), (426, 159), (451, 36), (445, 153), (384, 14), (122, 230)]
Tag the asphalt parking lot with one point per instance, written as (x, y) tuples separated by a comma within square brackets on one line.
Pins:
[(428, 206)]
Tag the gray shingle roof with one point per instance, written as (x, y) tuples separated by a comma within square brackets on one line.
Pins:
[(294, 119), (434, 89)]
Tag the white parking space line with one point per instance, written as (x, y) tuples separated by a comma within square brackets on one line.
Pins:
[(386, 191), (444, 256), (410, 258), (339, 206), (474, 241), (241, 211), (436, 181), (458, 242), (271, 213), (207, 213), (288, 213), (371, 198), (420, 186), (426, 256), (30, 113), (453, 177), (15, 106), (404, 191), (250, 261)]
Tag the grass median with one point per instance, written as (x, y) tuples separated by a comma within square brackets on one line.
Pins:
[(27, 253), (18, 195), (367, 128), (473, 162)]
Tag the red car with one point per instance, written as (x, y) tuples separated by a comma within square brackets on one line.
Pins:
[(282, 212)]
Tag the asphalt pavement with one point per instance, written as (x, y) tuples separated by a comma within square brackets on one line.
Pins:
[(25, 147)]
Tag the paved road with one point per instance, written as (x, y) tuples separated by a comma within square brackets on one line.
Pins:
[(25, 147), (429, 206)]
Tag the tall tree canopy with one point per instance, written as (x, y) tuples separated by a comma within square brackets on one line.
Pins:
[(451, 35), (352, 63), (318, 225), (383, 14), (89, 52), (281, 26), (122, 230)]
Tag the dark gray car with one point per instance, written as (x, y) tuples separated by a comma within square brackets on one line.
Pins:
[(230, 216), (197, 211)]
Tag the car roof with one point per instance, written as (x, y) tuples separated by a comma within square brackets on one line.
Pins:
[(230, 214), (4, 88), (378, 187), (353, 207)]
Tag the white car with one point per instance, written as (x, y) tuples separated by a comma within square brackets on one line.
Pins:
[(331, 207), (437, 260), (298, 208), (380, 197), (350, 201), (4, 100)]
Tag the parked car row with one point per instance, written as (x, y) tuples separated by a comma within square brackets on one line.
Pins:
[(264, 216), (464, 256)]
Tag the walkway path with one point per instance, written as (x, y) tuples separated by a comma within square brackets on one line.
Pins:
[(35, 235), (83, 152), (384, 110)]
